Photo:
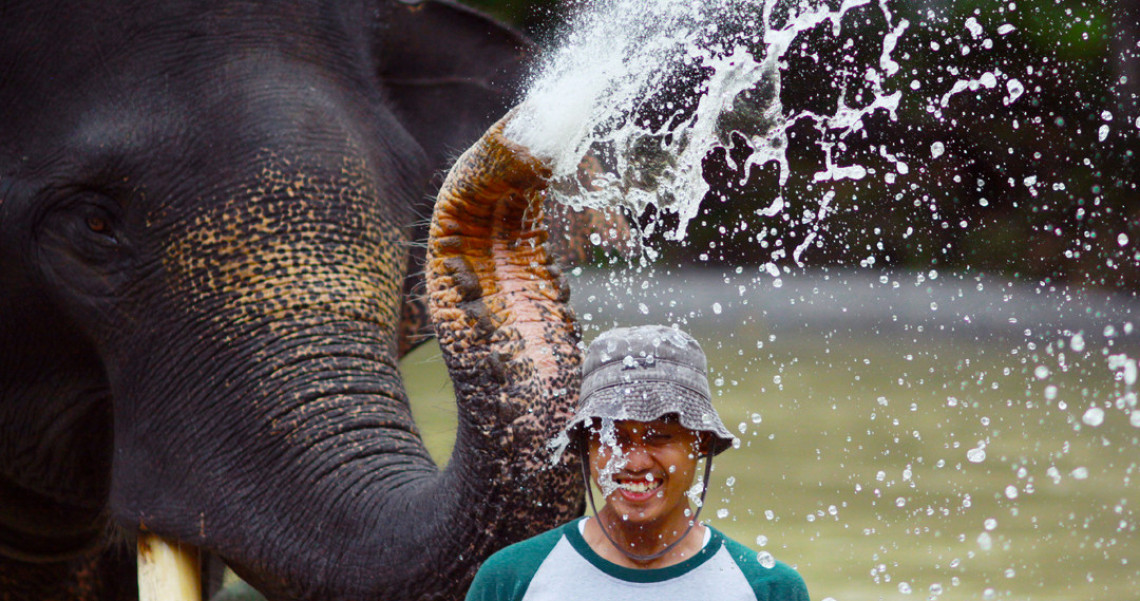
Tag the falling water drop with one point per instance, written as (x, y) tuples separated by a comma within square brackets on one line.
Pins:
[(1015, 89), (765, 559), (1093, 417), (1077, 342)]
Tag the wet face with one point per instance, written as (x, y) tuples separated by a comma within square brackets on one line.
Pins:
[(660, 464)]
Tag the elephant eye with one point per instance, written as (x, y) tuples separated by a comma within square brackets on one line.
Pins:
[(98, 224)]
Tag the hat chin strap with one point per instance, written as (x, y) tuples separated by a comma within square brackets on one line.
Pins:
[(630, 554)]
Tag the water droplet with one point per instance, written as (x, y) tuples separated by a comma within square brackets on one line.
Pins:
[(1077, 342), (904, 588), (1093, 417), (1081, 473), (936, 589), (761, 540), (1041, 372), (974, 27), (900, 502), (1011, 492), (765, 559), (771, 515), (985, 543), (1122, 239), (756, 418), (936, 149), (730, 481), (989, 594), (721, 513), (716, 308), (976, 455), (1102, 132)]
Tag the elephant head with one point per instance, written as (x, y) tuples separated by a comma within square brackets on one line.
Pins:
[(212, 221)]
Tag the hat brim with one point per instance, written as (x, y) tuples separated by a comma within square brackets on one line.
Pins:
[(654, 400)]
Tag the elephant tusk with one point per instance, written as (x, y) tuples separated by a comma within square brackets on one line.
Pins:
[(168, 570)]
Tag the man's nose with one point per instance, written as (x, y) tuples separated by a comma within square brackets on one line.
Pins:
[(637, 458)]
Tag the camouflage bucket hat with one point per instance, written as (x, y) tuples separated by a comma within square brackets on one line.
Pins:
[(644, 373)]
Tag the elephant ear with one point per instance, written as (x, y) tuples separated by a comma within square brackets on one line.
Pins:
[(450, 71)]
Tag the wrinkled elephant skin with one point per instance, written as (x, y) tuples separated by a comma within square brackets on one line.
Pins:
[(213, 220)]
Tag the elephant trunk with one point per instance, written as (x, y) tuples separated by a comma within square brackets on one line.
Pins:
[(318, 486), (509, 338)]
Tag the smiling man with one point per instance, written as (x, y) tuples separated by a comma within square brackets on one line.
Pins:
[(645, 418)]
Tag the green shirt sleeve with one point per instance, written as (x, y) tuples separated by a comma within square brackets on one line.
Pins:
[(777, 583), (506, 575)]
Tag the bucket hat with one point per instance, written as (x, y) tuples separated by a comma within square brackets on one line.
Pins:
[(644, 373)]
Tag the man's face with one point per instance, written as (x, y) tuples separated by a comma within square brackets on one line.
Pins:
[(661, 460)]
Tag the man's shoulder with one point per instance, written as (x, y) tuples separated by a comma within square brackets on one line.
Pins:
[(507, 573), (526, 552), (771, 580)]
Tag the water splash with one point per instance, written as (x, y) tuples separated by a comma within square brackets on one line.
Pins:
[(617, 460), (648, 90)]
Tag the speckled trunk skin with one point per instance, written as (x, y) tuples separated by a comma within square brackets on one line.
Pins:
[(509, 338)]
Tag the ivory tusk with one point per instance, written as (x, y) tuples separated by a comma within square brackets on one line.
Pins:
[(168, 570)]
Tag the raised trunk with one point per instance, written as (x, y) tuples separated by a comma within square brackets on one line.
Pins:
[(510, 340)]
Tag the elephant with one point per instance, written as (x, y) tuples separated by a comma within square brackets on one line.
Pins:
[(213, 227)]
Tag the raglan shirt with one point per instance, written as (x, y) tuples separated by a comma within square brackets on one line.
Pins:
[(560, 566)]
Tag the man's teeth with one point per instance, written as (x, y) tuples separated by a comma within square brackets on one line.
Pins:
[(640, 485)]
